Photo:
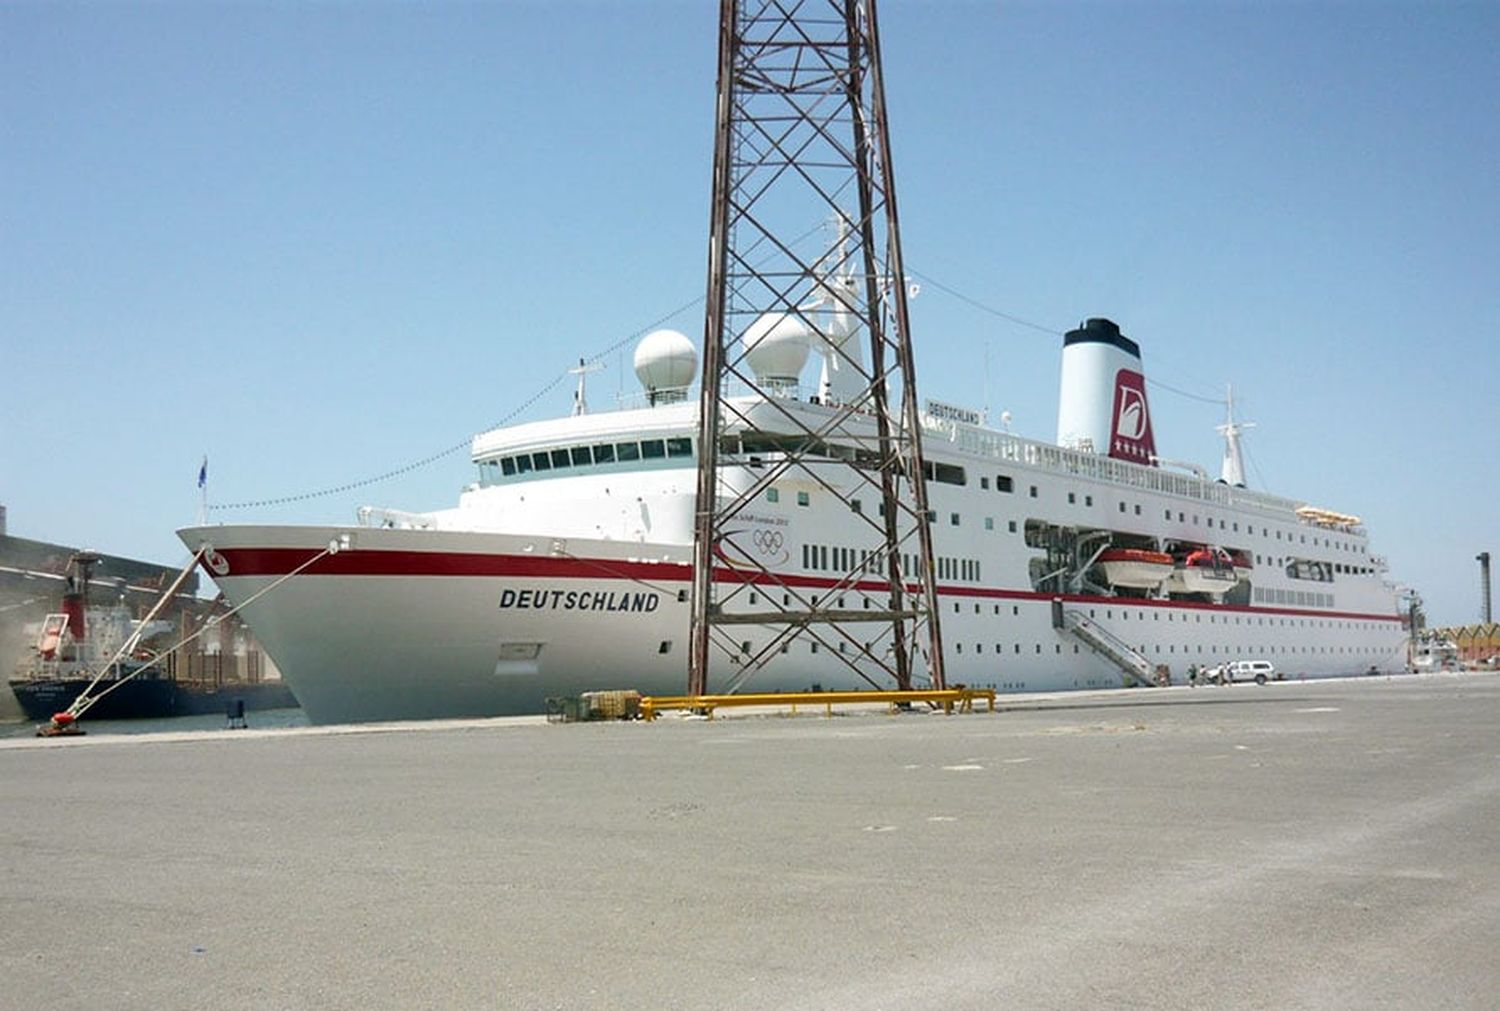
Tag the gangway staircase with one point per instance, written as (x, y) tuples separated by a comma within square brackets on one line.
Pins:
[(1137, 669)]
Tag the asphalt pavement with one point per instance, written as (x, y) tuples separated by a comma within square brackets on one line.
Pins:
[(1299, 845)]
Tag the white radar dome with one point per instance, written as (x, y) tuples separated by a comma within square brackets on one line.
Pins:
[(777, 346), (666, 360)]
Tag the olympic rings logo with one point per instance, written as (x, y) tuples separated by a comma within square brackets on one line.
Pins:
[(768, 542)]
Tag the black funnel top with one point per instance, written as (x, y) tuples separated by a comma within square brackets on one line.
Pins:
[(1098, 330)]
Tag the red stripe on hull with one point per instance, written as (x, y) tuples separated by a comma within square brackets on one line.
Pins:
[(279, 561)]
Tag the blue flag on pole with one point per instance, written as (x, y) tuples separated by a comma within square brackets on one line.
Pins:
[(203, 474)]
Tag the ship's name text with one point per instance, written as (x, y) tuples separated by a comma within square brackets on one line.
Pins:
[(578, 600)]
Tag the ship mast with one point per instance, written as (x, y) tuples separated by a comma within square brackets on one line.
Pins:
[(580, 395), (1233, 472), (801, 137)]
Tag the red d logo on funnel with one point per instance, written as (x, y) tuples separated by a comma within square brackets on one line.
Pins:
[(1131, 437)]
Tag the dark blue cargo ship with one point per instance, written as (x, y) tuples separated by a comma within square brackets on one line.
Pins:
[(80, 640), (148, 695)]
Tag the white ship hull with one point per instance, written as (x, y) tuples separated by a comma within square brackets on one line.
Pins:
[(411, 624)]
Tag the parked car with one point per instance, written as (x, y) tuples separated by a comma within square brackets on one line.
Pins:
[(1259, 671)]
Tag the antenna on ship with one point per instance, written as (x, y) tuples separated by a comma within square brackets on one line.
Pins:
[(801, 135), (1233, 472), (582, 370)]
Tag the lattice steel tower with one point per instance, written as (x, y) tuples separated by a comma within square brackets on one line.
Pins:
[(805, 260)]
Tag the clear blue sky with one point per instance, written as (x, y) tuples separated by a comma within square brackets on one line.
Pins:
[(319, 242)]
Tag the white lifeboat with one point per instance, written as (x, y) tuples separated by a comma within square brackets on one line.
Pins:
[(1135, 567), (1208, 570)]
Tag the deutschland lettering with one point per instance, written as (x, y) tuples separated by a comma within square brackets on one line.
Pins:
[(578, 600)]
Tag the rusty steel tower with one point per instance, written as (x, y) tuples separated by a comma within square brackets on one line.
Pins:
[(805, 252)]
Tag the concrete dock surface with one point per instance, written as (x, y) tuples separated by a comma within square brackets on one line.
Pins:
[(1326, 844)]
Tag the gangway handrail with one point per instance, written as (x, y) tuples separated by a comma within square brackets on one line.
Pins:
[(1125, 656), (1103, 633)]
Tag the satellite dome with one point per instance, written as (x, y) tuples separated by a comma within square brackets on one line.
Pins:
[(666, 362), (776, 347)]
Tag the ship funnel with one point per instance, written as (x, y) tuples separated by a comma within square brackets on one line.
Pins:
[(1102, 404)]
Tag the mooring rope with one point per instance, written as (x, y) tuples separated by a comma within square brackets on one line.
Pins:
[(76, 710)]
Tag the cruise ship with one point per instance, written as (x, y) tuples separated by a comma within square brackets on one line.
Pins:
[(566, 565)]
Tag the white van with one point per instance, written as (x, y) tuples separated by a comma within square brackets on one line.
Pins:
[(1259, 671)]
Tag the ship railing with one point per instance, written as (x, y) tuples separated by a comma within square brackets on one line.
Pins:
[(395, 519), (1009, 448), (642, 399)]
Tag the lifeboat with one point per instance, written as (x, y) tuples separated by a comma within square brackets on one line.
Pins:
[(1135, 567), (1243, 564), (1208, 570)]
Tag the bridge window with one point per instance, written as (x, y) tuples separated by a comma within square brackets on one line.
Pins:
[(581, 456), (626, 451), (508, 466), (679, 447), (604, 453), (560, 458), (652, 449), (542, 461)]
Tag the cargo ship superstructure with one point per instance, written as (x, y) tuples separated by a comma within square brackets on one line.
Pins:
[(566, 566)]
